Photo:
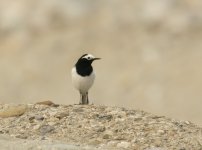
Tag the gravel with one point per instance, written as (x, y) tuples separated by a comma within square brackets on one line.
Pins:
[(59, 127)]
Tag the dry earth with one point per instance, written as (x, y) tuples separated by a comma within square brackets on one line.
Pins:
[(46, 126)]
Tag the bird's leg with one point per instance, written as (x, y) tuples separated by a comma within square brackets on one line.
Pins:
[(81, 99), (84, 98), (87, 100)]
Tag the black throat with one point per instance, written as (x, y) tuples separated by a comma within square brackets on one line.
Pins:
[(83, 67)]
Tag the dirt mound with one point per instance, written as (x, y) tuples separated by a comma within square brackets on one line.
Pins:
[(99, 126)]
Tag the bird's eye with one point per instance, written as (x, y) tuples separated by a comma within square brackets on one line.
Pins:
[(88, 58)]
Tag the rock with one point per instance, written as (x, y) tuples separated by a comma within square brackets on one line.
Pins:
[(13, 111), (120, 137), (104, 117), (61, 115), (100, 128), (123, 144), (112, 143), (107, 134), (95, 142), (46, 129), (157, 143), (187, 122), (39, 117), (31, 119), (36, 127), (161, 131), (78, 110), (48, 103), (22, 136)]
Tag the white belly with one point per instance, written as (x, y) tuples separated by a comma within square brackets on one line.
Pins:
[(83, 84)]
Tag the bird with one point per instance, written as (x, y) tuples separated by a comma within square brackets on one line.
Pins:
[(83, 76)]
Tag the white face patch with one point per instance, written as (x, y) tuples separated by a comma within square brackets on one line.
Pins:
[(89, 57)]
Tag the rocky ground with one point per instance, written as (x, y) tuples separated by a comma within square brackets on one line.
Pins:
[(46, 125)]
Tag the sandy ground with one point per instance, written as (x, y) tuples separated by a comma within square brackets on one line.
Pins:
[(10, 143)]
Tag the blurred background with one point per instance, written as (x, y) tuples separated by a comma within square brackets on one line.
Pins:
[(151, 53)]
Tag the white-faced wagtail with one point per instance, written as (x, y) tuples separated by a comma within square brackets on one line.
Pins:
[(83, 76)]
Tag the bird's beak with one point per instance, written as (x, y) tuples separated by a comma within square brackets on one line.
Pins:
[(96, 58)]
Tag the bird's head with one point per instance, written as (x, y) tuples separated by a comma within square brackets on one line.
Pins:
[(83, 65), (87, 59)]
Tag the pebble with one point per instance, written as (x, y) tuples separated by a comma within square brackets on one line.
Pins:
[(112, 143), (21, 136), (187, 122), (123, 145), (157, 142), (61, 115), (48, 103), (39, 117), (46, 129), (13, 111), (107, 134), (100, 128), (36, 127), (104, 117), (161, 131)]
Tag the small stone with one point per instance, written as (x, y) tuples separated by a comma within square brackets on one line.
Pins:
[(161, 131), (48, 103), (112, 143), (157, 143), (52, 123), (96, 142), (13, 111), (106, 136), (22, 136), (123, 145), (62, 115), (100, 129), (78, 110), (79, 126), (187, 122), (119, 137), (39, 117), (36, 127), (31, 119), (46, 129), (117, 120), (104, 117)]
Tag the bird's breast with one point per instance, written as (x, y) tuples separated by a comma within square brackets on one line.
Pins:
[(82, 83)]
